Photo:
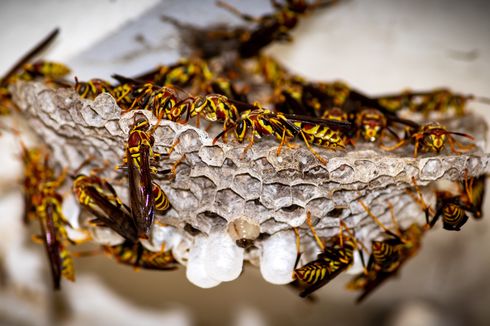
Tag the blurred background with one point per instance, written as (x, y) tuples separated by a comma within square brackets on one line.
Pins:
[(377, 46)]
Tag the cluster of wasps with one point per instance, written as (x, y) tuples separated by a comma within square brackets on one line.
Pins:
[(398, 244), (328, 115)]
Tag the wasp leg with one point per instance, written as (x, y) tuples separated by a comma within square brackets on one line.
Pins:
[(298, 249), (392, 148), (313, 231), (321, 159), (461, 148), (237, 12)]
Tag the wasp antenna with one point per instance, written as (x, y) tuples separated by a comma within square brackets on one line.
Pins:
[(29, 55), (461, 134), (482, 99), (221, 134)]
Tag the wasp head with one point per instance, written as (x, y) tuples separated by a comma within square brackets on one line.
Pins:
[(434, 137), (371, 124)]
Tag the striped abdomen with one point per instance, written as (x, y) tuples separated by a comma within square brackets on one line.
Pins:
[(322, 135), (315, 271), (453, 217), (386, 256), (160, 198)]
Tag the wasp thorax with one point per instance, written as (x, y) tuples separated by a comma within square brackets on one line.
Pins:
[(200, 103), (141, 123), (243, 231)]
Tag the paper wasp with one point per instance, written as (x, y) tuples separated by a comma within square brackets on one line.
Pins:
[(213, 107), (47, 203), (92, 88), (145, 196), (275, 73), (261, 122), (134, 95), (162, 203), (35, 172), (10, 76), (186, 72), (453, 209), (336, 101), (225, 87), (291, 99), (100, 199), (134, 254), (45, 69), (438, 100), (209, 41), (335, 257), (273, 27), (432, 137), (388, 255), (371, 125), (288, 89)]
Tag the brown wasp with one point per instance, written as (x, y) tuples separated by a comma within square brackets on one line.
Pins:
[(432, 137), (209, 41), (388, 255), (142, 191), (273, 27), (335, 257), (100, 198)]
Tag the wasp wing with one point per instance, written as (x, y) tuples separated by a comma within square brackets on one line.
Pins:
[(141, 192)]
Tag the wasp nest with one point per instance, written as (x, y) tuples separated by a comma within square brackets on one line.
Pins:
[(228, 206)]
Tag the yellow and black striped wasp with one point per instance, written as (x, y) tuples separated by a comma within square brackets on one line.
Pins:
[(145, 196), (44, 69), (46, 207), (134, 254), (426, 102), (453, 208), (335, 257), (35, 172), (225, 87), (12, 74), (261, 122), (432, 137), (92, 88), (133, 94), (99, 197), (212, 107), (388, 255), (190, 72)]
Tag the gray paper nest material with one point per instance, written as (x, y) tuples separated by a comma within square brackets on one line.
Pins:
[(215, 184)]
